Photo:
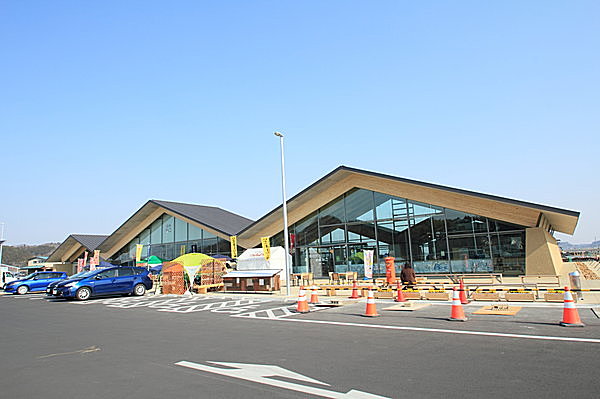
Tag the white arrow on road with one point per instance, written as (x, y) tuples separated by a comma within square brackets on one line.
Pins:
[(259, 373)]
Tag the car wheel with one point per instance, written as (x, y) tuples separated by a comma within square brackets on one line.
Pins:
[(83, 294), (139, 290), (22, 290)]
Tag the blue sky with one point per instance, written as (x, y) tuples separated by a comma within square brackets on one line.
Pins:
[(105, 105)]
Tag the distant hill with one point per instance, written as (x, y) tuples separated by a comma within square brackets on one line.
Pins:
[(19, 254), (568, 245)]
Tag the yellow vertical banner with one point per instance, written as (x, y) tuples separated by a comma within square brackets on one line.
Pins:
[(233, 242), (266, 246), (138, 252), (182, 250)]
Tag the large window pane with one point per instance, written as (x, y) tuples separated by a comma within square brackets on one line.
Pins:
[(395, 235), (156, 232), (223, 246), (428, 244), (458, 222), (470, 254), (359, 206), (356, 257), (332, 234), (158, 250), (181, 233), (194, 246), (277, 240), (168, 234), (479, 224), (307, 231), (389, 207), (418, 209), (332, 213), (209, 243), (145, 237), (361, 232), (509, 253), (170, 252), (333, 259), (194, 233), (503, 226)]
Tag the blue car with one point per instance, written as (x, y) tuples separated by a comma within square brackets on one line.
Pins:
[(52, 285), (34, 282), (109, 281)]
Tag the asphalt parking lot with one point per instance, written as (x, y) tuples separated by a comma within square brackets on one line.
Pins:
[(233, 346)]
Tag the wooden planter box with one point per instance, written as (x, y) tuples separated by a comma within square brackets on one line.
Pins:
[(412, 294), (519, 296), (384, 294), (437, 296), (486, 296), (554, 296)]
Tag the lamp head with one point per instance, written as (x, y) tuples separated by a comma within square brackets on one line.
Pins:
[(278, 134)]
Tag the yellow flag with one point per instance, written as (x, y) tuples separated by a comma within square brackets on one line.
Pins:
[(182, 250), (266, 246), (233, 242), (138, 253)]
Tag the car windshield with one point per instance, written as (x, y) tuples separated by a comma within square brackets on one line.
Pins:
[(84, 274), (80, 274)]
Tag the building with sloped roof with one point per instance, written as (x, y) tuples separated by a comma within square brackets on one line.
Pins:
[(73, 248), (169, 229), (438, 229), (334, 221)]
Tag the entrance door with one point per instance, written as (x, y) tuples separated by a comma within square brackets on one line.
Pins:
[(333, 259)]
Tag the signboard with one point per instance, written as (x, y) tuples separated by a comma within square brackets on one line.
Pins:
[(138, 252), (233, 242), (96, 257), (368, 256), (266, 246)]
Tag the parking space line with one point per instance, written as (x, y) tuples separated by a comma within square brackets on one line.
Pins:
[(443, 331)]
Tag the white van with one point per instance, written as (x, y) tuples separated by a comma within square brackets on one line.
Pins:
[(6, 277)]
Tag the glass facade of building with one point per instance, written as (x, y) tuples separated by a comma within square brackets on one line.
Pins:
[(433, 239), (169, 237)]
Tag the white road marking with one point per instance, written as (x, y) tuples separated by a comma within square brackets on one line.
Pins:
[(260, 374), (441, 330), (86, 350), (272, 313), (183, 304)]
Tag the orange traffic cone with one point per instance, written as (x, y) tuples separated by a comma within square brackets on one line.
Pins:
[(400, 297), (314, 298), (458, 314), (463, 293), (302, 304), (354, 291), (570, 314), (371, 310)]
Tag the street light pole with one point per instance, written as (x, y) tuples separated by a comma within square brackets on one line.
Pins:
[(1, 242), (285, 222)]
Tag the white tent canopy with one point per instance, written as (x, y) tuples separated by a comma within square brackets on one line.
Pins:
[(254, 259)]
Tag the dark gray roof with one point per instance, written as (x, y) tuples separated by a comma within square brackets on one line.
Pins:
[(90, 241), (219, 219)]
